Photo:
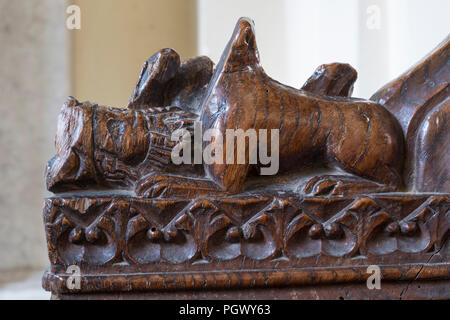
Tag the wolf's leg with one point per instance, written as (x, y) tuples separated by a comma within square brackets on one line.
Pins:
[(369, 144), (342, 185), (161, 185), (229, 177), (373, 175), (363, 178), (366, 176)]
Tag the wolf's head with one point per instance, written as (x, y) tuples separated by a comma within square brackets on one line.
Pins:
[(241, 50), (73, 166)]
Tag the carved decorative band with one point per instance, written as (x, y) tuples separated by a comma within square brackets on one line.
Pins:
[(112, 230)]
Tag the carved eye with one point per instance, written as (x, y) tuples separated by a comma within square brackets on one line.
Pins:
[(116, 128), (122, 141), (248, 38)]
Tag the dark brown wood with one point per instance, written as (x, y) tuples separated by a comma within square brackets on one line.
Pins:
[(140, 226), (100, 147), (419, 98), (398, 290), (315, 131), (334, 79), (186, 90), (428, 162), (143, 244), (156, 73)]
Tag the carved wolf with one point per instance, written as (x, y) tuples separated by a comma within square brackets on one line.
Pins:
[(358, 136), (359, 139)]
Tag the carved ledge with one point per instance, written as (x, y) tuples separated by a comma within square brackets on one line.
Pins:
[(123, 243)]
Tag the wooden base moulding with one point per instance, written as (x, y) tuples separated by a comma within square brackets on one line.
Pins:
[(269, 247)]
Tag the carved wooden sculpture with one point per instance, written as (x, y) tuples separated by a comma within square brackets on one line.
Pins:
[(146, 227)]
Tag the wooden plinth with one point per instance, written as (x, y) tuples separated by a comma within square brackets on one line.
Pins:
[(259, 247)]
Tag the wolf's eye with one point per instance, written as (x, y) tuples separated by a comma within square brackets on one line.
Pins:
[(248, 38)]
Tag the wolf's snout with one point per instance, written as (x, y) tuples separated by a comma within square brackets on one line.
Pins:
[(73, 162)]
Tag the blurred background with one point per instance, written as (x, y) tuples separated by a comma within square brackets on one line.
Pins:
[(94, 49)]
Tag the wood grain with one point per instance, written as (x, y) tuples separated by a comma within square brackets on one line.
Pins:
[(360, 183)]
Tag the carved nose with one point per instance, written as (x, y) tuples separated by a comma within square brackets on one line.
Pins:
[(56, 173), (72, 167), (67, 173)]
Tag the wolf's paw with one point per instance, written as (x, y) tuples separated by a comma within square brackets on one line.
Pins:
[(164, 186), (337, 185)]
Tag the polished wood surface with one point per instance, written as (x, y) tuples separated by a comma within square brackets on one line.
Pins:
[(360, 182)]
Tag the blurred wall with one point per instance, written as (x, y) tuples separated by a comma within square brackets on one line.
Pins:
[(117, 37), (34, 77)]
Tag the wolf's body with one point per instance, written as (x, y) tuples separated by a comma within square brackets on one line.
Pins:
[(358, 136)]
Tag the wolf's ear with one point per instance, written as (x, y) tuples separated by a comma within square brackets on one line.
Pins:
[(241, 50)]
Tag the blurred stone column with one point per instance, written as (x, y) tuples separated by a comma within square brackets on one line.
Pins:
[(41, 63), (34, 79)]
